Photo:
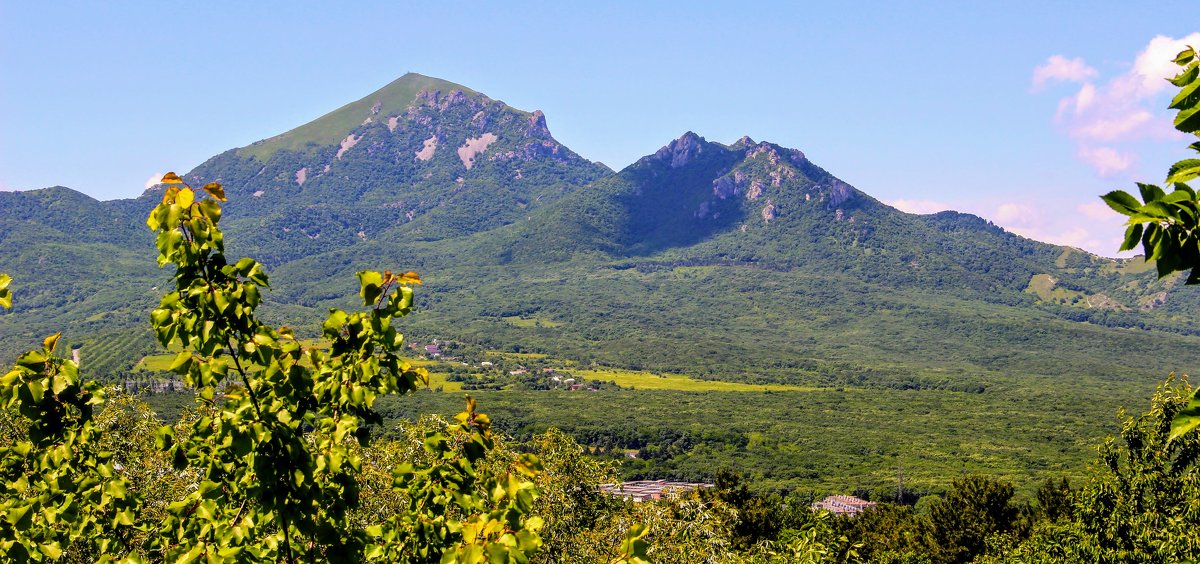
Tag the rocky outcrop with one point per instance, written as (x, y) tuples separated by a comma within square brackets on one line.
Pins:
[(427, 151), (726, 187), (473, 147), (681, 151), (744, 143), (768, 212), (537, 125), (348, 143), (838, 192)]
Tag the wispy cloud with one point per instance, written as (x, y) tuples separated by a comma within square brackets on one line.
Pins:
[(1091, 225), (154, 180), (1060, 68), (1124, 109), (918, 206), (1106, 160)]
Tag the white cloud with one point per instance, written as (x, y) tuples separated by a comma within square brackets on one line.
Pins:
[(1124, 109), (1155, 63), (1060, 68), (154, 180), (1013, 213), (1099, 211), (1106, 160), (1089, 225), (917, 206), (1117, 127)]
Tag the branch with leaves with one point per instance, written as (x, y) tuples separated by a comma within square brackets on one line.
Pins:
[(1167, 225)]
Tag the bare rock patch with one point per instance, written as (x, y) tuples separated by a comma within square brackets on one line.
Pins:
[(347, 143), (430, 147), (474, 146)]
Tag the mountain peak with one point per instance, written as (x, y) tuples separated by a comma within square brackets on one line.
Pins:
[(681, 151), (744, 143), (394, 98)]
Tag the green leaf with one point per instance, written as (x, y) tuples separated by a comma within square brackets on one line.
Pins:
[(53, 550), (1150, 192), (14, 515), (1187, 418), (1121, 202), (1184, 170), (1133, 236), (1186, 97), (1186, 76), (164, 437), (372, 286), (182, 363), (1185, 56), (1188, 121)]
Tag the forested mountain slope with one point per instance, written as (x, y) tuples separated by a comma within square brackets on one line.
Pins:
[(743, 261)]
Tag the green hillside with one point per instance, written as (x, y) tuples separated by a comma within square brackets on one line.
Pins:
[(330, 128), (742, 263)]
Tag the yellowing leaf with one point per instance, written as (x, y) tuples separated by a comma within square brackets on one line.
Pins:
[(50, 341), (171, 178), (216, 191), (185, 197), (409, 277), (170, 194)]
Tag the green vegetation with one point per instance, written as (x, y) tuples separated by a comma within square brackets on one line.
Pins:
[(331, 128), (719, 307), (267, 471)]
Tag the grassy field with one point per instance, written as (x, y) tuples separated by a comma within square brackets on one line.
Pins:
[(521, 321), (650, 381)]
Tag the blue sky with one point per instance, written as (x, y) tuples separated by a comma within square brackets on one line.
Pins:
[(924, 105)]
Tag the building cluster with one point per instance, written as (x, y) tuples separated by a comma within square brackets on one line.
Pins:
[(843, 505), (650, 490)]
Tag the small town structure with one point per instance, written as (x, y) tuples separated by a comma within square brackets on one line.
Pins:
[(843, 505), (650, 490)]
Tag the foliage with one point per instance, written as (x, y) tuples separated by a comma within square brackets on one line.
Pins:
[(1141, 502), (976, 508), (272, 453), (57, 487), (1166, 224), (893, 533), (5, 293)]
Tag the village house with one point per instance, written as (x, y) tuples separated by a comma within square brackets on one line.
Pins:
[(650, 490), (843, 505)]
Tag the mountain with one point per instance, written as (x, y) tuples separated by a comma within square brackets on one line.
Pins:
[(419, 159), (744, 261)]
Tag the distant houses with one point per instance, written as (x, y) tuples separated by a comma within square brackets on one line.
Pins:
[(843, 505), (650, 490)]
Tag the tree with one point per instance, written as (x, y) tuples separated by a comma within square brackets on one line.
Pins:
[(274, 449), (1141, 502), (975, 508)]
